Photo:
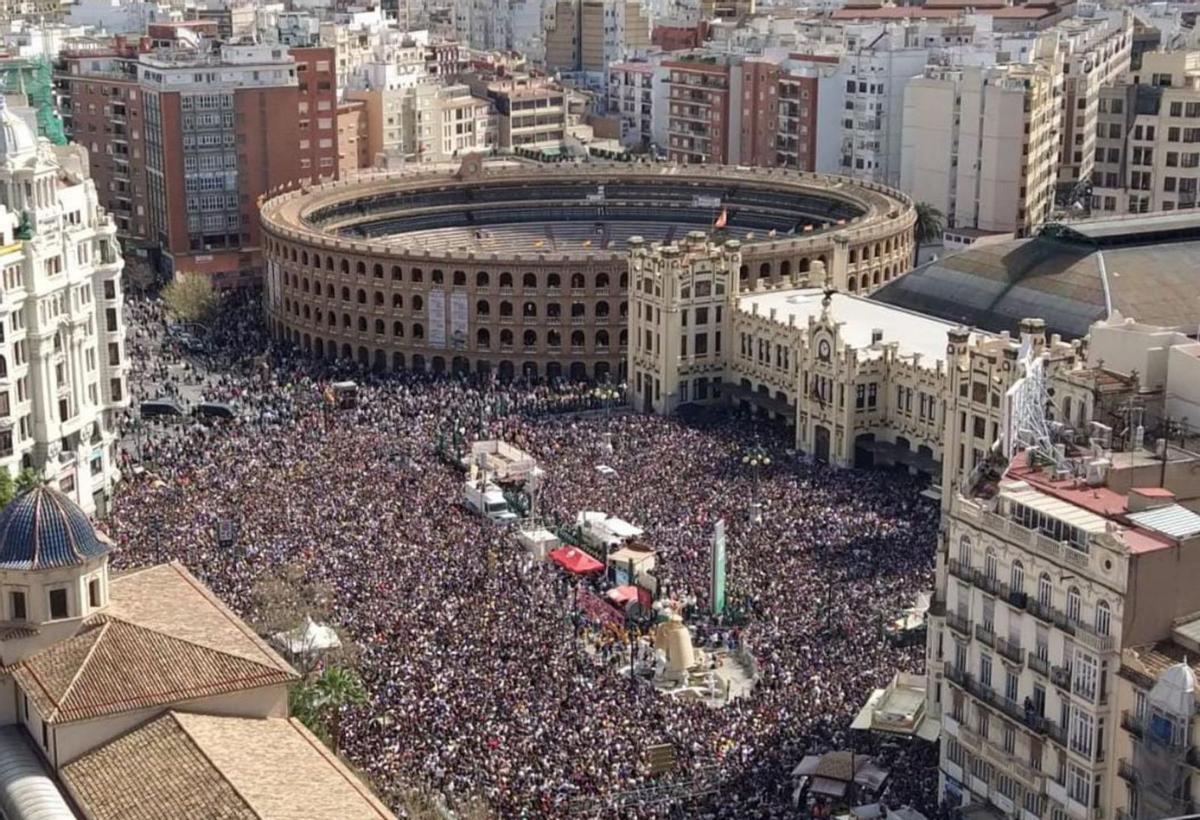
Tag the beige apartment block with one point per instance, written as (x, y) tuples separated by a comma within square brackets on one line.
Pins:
[(981, 144), (1148, 137)]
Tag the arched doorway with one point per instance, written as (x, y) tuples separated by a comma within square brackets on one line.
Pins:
[(506, 371), (397, 361), (439, 365), (553, 371), (380, 361), (864, 452), (418, 363), (578, 372), (529, 370), (460, 366), (601, 370), (821, 444)]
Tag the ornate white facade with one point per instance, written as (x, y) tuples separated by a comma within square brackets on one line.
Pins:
[(62, 351)]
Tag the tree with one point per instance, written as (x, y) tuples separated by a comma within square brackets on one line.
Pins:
[(7, 489), (318, 704), (190, 297), (282, 601), (930, 224), (27, 479)]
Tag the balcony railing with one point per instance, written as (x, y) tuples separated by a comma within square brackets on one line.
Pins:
[(960, 570), (1039, 664), (1126, 771), (1011, 650), (985, 635), (1132, 723), (959, 623), (987, 583), (1093, 640), (955, 674), (1060, 676)]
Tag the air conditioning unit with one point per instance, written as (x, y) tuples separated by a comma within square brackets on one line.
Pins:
[(1097, 471)]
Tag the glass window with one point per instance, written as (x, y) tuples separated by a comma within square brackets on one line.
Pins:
[(58, 603)]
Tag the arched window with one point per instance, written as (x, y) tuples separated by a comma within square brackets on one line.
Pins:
[(1045, 590), (601, 280), (624, 281), (379, 327), (378, 271), (329, 291), (362, 296), (553, 280), (529, 280), (436, 276), (601, 338), (624, 337), (418, 331), (416, 275), (483, 338), (1074, 605), (530, 338), (460, 278), (398, 301), (396, 274), (624, 311), (362, 324), (1103, 618), (304, 258), (506, 337), (554, 310), (345, 266), (345, 294), (1016, 578), (346, 320), (506, 308), (361, 269), (328, 263), (417, 303), (506, 280), (964, 551), (577, 281), (398, 329), (601, 309), (991, 565), (379, 298), (852, 285), (853, 256), (554, 338), (578, 310), (577, 338), (482, 279), (529, 310), (764, 270), (483, 307), (304, 284)]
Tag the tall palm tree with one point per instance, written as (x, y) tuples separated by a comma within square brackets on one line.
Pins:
[(930, 224), (334, 690)]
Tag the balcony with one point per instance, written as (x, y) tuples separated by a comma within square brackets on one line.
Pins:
[(1126, 771), (959, 623), (1093, 640), (1060, 676), (1011, 650), (985, 635), (1039, 664), (955, 674), (987, 583), (960, 570), (1132, 723), (1047, 613)]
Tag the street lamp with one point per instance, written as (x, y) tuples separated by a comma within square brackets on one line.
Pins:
[(756, 458)]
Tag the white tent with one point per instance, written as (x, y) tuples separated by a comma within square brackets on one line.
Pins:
[(308, 638)]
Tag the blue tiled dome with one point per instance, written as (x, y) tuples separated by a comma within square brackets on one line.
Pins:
[(42, 528)]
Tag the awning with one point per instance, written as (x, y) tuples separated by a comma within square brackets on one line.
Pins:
[(824, 785), (26, 790), (575, 560), (308, 637)]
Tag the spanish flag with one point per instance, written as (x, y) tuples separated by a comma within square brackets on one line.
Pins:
[(722, 219)]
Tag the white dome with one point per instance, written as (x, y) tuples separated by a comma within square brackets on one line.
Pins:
[(17, 140), (1174, 691)]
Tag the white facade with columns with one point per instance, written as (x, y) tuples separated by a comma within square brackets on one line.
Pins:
[(62, 352)]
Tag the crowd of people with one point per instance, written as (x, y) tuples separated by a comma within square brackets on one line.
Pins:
[(477, 688)]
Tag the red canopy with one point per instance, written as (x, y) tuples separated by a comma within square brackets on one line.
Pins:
[(624, 594), (575, 560)]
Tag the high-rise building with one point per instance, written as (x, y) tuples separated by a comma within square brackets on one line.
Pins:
[(722, 109), (221, 130), (63, 341), (1147, 155), (980, 144), (102, 111)]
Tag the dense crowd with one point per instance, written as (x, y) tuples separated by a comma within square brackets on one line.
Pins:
[(476, 686)]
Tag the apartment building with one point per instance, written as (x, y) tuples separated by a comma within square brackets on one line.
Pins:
[(531, 111), (1097, 55), (588, 35), (101, 108), (221, 130), (316, 109), (876, 65), (722, 109), (981, 143), (352, 140), (637, 94), (62, 345), (449, 122), (1059, 552), (1147, 154)]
